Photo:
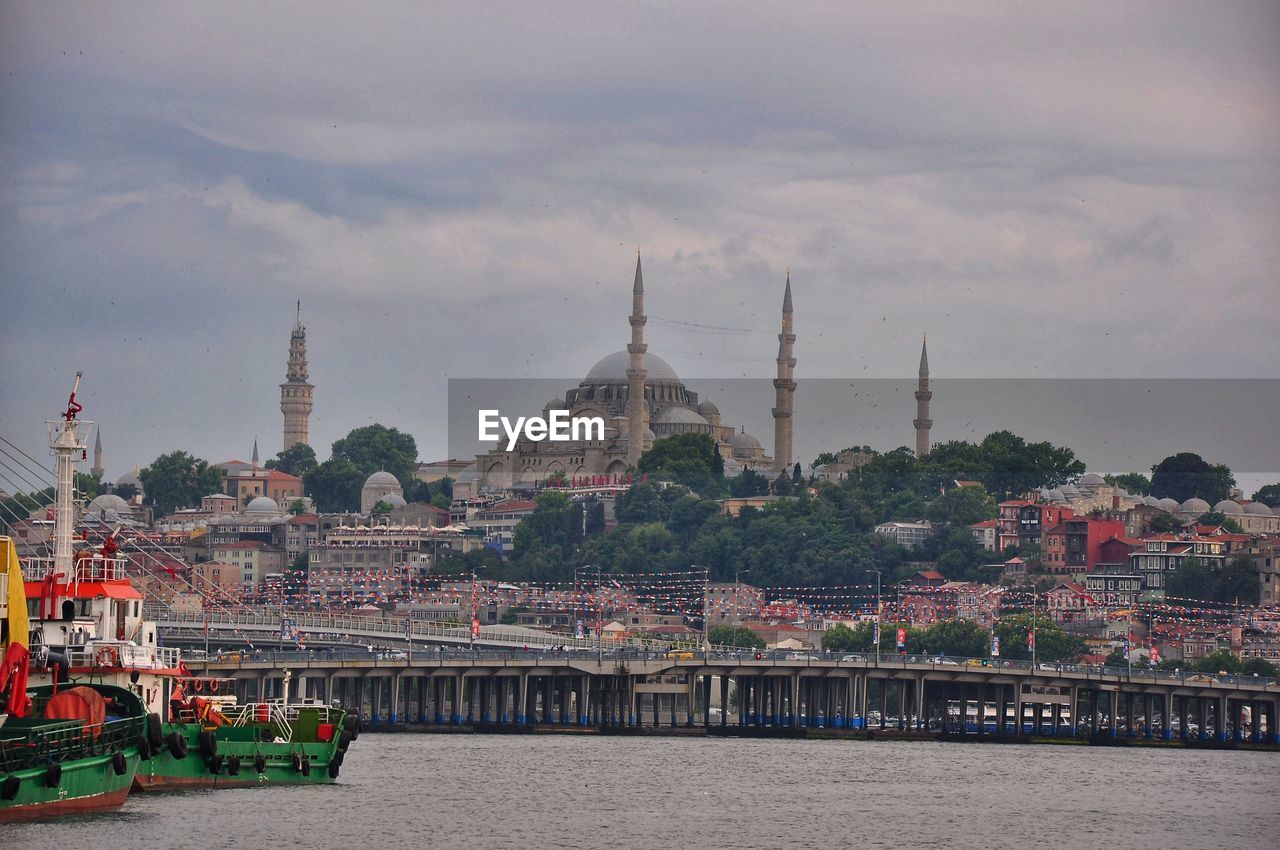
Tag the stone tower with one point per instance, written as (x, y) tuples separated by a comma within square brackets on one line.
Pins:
[(784, 388), (96, 470), (295, 392), (923, 394), (637, 409)]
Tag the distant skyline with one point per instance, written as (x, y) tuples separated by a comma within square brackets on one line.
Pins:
[(1049, 191)]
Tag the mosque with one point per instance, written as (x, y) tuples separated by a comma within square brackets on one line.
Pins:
[(641, 399)]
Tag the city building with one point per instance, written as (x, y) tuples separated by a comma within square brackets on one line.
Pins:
[(911, 535), (296, 393)]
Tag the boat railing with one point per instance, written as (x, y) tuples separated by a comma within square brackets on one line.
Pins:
[(42, 745), (124, 654), (87, 567)]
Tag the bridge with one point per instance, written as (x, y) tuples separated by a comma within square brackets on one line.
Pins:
[(264, 628), (739, 692)]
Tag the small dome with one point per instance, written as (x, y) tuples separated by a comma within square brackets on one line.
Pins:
[(1195, 505), (743, 440), (1070, 490), (382, 477), (131, 479), (649, 435), (612, 369), (1258, 509), (262, 505), (1092, 479), (707, 408), (556, 403), (1172, 506), (393, 499), (677, 415), (1227, 506), (1056, 495), (1151, 500), (1122, 493), (109, 503)]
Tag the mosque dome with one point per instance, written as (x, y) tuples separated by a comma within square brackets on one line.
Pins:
[(1092, 479), (395, 500), (1070, 491), (131, 479), (1172, 506), (612, 369), (556, 403), (1195, 505), (1258, 509), (708, 408), (677, 415), (1227, 506), (1056, 495), (743, 440), (262, 505), (380, 478), (1151, 500), (109, 503)]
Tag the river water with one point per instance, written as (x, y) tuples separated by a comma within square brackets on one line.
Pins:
[(553, 791)]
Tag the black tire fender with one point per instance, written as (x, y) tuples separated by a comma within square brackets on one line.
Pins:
[(119, 764), (177, 744)]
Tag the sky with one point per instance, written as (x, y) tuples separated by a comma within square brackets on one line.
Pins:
[(1048, 190)]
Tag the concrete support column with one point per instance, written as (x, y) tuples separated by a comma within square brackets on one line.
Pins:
[(1220, 721), (522, 706), (393, 710), (724, 700), (456, 703), (778, 711)]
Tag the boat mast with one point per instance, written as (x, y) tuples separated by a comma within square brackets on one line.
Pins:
[(66, 445)]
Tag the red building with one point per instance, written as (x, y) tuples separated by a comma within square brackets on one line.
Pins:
[(1074, 546), (1023, 523)]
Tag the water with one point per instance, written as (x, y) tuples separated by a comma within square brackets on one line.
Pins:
[(493, 791)]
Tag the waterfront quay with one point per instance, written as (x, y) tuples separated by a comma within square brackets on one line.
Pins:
[(759, 693)]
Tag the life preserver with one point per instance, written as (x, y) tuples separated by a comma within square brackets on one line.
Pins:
[(106, 657), (197, 685), (213, 686)]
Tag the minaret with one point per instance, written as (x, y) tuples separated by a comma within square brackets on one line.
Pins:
[(785, 389), (637, 409), (254, 460), (96, 470), (295, 392), (923, 394)]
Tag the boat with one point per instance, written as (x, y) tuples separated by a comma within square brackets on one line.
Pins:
[(64, 749), (89, 626)]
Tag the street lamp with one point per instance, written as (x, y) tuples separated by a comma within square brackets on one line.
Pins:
[(737, 581), (473, 625), (877, 625)]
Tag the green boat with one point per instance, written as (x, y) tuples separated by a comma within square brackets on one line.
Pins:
[(62, 759), (208, 742)]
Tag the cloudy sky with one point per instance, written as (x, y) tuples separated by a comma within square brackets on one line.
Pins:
[(458, 190)]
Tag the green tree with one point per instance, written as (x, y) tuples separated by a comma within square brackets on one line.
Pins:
[(545, 539), (1268, 495), (1132, 482), (734, 636), (640, 503), (963, 638), (748, 483), (380, 509), (1193, 579), (1052, 643), (335, 485), (1115, 658), (88, 486), (961, 506), (377, 447), (1186, 474), (297, 506), (841, 638), (1237, 583), (179, 480), (298, 459), (1163, 523), (689, 459), (1217, 662), (1258, 667)]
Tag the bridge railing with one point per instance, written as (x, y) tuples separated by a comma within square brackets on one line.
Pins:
[(308, 622)]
